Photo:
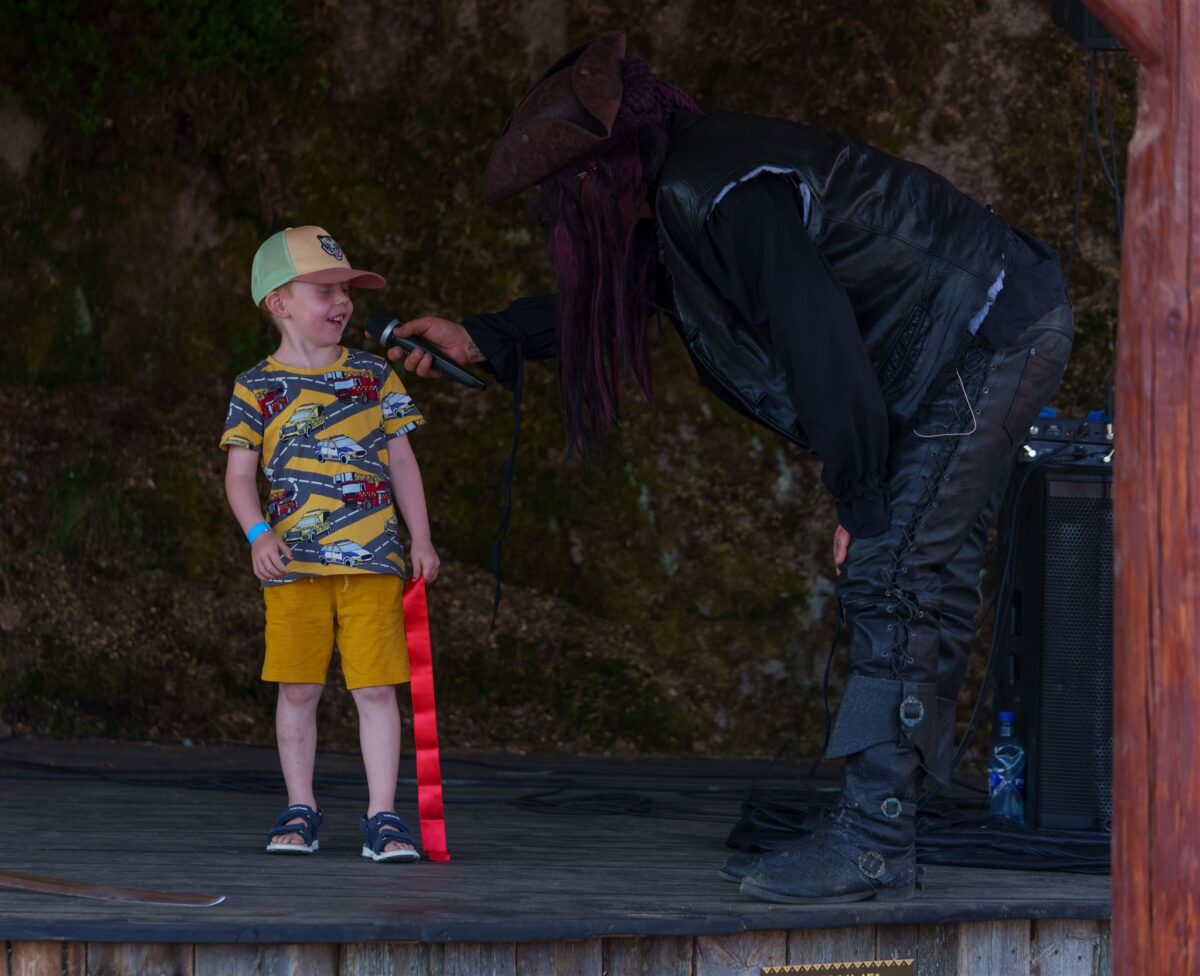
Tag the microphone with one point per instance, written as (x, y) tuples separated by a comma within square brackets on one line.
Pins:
[(382, 328)]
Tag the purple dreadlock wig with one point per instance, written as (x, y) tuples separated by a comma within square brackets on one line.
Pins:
[(604, 256)]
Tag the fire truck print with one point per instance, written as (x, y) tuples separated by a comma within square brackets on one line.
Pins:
[(352, 384), (360, 491), (271, 400), (281, 504)]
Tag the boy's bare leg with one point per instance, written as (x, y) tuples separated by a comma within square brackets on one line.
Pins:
[(379, 736), (296, 736)]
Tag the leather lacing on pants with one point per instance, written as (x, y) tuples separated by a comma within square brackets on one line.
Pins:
[(903, 605)]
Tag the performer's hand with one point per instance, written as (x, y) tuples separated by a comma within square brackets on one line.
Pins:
[(450, 338), (841, 546), (425, 561), (267, 553)]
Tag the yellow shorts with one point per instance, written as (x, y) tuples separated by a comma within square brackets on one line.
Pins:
[(363, 612)]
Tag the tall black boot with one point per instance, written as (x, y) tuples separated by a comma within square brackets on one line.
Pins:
[(866, 850)]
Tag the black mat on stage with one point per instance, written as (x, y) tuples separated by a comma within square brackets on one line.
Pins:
[(543, 847)]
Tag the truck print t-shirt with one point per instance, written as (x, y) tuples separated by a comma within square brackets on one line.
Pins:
[(322, 435)]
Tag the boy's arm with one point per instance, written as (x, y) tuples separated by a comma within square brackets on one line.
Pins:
[(410, 499), (268, 551)]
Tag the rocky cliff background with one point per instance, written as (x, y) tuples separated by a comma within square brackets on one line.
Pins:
[(672, 596)]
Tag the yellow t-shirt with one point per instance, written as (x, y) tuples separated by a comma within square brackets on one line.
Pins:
[(322, 435)]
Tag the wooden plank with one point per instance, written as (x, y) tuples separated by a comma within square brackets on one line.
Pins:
[(896, 941), (1104, 957), (938, 950), (1156, 782), (266, 960), (648, 957), (994, 947), (389, 959), (741, 954), (578, 957), (479, 959), (1066, 948), (831, 945), (139, 959), (40, 958)]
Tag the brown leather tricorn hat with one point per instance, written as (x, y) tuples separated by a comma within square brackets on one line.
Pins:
[(567, 114)]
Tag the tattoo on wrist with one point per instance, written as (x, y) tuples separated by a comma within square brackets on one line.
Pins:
[(473, 353)]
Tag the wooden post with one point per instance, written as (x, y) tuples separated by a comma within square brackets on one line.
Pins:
[(1156, 858)]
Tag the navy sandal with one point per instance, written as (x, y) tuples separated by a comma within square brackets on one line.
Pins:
[(381, 830), (307, 830)]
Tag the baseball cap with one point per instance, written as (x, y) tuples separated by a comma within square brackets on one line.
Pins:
[(304, 254)]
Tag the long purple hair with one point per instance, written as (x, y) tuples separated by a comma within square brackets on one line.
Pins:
[(604, 257)]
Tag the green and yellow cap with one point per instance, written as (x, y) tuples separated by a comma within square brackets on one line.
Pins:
[(304, 254)]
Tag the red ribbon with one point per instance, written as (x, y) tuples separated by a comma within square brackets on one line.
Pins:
[(425, 736)]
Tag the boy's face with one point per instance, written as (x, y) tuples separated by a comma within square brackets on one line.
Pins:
[(315, 314)]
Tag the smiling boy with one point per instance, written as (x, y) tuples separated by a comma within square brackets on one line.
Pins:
[(311, 416)]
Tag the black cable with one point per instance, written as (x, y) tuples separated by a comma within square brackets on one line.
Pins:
[(1083, 141), (1095, 124), (510, 465), (1110, 126), (837, 635)]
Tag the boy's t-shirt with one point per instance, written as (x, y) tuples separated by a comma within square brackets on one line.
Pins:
[(322, 435)]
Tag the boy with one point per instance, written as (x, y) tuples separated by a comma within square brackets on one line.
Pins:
[(330, 425)]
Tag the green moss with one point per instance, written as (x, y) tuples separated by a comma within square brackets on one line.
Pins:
[(600, 698), (74, 691), (188, 523), (95, 517), (71, 57)]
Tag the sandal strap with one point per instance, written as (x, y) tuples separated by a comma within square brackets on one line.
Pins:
[(386, 828), (312, 819)]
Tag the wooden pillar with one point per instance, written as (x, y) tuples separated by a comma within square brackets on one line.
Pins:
[(1156, 857)]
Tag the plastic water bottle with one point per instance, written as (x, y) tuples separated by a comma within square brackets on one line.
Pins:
[(1006, 773)]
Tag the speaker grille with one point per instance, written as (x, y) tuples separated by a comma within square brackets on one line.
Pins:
[(1074, 761)]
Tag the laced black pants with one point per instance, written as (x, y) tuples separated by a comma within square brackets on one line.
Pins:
[(912, 592)]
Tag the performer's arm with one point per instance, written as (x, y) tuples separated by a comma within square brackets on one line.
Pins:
[(530, 324), (491, 340), (758, 253)]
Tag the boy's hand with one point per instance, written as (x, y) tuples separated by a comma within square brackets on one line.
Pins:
[(267, 553), (425, 561)]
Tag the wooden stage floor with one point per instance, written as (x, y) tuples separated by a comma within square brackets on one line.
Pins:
[(193, 820)]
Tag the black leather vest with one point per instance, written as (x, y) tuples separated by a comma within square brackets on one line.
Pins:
[(915, 256)]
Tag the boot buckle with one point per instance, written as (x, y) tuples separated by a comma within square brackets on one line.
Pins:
[(911, 711), (872, 865), (891, 807)]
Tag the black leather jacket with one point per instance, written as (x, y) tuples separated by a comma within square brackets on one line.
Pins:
[(915, 256)]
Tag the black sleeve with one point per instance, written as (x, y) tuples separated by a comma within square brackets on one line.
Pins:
[(759, 255), (528, 324)]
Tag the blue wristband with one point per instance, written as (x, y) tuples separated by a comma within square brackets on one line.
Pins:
[(257, 529)]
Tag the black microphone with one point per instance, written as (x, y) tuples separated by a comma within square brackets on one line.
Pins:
[(382, 328)]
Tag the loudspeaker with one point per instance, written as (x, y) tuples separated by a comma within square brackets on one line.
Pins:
[(1073, 17), (1056, 652)]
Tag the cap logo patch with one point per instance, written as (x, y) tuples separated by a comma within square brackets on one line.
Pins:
[(330, 246)]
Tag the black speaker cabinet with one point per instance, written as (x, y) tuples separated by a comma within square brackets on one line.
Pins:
[(1056, 653), (1073, 17)]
